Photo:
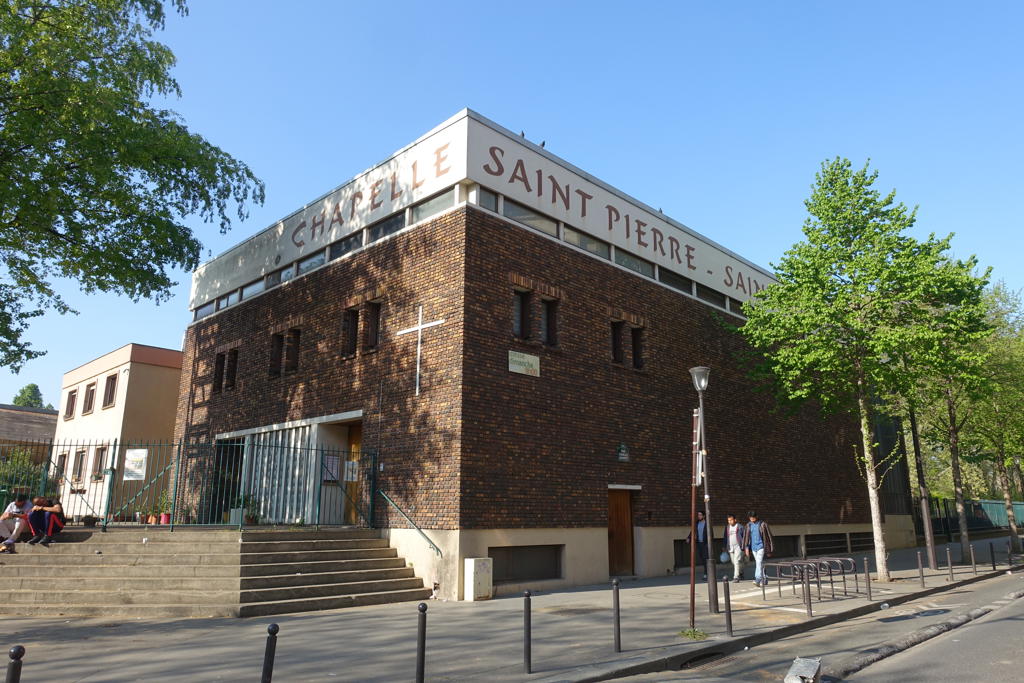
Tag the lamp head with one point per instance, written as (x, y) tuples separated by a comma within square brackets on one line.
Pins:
[(700, 377)]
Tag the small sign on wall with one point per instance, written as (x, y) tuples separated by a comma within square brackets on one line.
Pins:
[(524, 363), (135, 464)]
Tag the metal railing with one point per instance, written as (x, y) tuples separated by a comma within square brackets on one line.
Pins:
[(414, 524)]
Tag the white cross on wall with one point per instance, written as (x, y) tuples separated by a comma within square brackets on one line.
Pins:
[(418, 329)]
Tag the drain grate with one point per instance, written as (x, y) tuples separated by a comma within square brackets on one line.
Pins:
[(706, 662)]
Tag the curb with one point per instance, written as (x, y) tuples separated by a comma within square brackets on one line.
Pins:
[(676, 657), (866, 658)]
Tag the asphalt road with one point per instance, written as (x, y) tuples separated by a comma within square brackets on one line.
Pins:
[(987, 649)]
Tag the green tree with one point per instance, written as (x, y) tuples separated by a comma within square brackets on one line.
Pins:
[(29, 397), (849, 299), (96, 180)]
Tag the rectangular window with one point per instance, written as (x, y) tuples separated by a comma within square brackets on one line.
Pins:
[(350, 331), (433, 206), (710, 295), (231, 369), (388, 226), (487, 199), (736, 306), (586, 242), (549, 321), (310, 262), (526, 562), (90, 398), (675, 280), (229, 299), (637, 339), (518, 212), (291, 350), (62, 465), (69, 407), (617, 327), (280, 276), (110, 390), (99, 462), (276, 354), (350, 243), (205, 310), (218, 373), (373, 309), (624, 258), (78, 469), (253, 288), (521, 314)]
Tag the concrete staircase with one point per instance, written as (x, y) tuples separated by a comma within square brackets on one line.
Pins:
[(203, 573)]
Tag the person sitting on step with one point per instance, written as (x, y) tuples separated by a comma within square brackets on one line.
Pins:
[(12, 522), (46, 520)]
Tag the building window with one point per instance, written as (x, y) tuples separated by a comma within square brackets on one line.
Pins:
[(110, 390), (617, 328), (526, 562), (487, 199), (62, 464), (634, 263), (89, 399), (218, 373), (79, 465), (229, 299), (276, 354), (253, 288), (98, 459), (350, 243), (388, 226), (279, 276), (433, 206), (736, 306), (291, 350), (69, 407), (526, 216), (549, 321), (205, 310), (637, 342), (675, 281), (231, 369), (350, 331), (521, 314), (372, 340), (710, 295), (586, 242), (310, 262)]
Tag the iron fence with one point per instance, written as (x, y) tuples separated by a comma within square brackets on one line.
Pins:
[(237, 482)]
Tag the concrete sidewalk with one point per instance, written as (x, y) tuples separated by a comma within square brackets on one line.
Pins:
[(572, 634)]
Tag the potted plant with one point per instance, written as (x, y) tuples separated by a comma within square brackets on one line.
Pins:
[(153, 515), (89, 520), (164, 506), (251, 506)]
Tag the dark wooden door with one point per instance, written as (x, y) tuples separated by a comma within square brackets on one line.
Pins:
[(620, 533)]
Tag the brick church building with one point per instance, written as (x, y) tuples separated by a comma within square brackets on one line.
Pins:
[(499, 343)]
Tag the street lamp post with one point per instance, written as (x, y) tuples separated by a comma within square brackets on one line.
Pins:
[(700, 382)]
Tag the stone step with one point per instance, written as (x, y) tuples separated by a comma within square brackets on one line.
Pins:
[(51, 570), (285, 580), (332, 533), (140, 611), (31, 557), (106, 582), (315, 567), (321, 555), (154, 534), (255, 609), (327, 590), (312, 545), (59, 547), (59, 596)]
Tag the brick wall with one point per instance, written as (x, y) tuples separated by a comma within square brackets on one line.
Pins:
[(540, 452)]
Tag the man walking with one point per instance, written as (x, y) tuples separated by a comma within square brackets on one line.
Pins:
[(733, 542), (702, 541), (758, 541)]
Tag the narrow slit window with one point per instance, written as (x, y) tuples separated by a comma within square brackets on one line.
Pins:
[(276, 354), (350, 331), (637, 339), (617, 327), (69, 408), (110, 391), (521, 314), (218, 373), (231, 369), (291, 350), (549, 321), (373, 309)]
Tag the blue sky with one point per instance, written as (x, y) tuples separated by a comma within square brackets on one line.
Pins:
[(719, 113)]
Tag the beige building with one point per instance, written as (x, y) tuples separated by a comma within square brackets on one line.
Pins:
[(122, 403)]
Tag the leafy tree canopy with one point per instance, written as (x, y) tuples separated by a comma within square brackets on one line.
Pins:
[(96, 180), (29, 397)]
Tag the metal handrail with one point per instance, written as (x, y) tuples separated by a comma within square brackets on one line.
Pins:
[(414, 524)]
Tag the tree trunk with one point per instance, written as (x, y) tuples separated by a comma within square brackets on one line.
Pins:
[(881, 561), (958, 482), (1004, 484), (1020, 478), (922, 491)]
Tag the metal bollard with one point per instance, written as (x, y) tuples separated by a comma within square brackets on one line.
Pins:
[(867, 577), (806, 585), (527, 654), (920, 568), (728, 609), (269, 652), (421, 643), (615, 612), (14, 666), (949, 562), (992, 554), (764, 595), (974, 562), (1009, 553)]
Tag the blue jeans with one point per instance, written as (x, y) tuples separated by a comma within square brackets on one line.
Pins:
[(758, 562)]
